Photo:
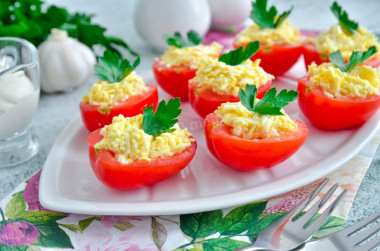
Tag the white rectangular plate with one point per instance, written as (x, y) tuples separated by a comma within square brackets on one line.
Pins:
[(68, 184)]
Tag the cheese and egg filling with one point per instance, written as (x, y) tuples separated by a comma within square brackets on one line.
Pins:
[(189, 56), (106, 94), (284, 34), (360, 82), (226, 79), (127, 140), (252, 125), (335, 39)]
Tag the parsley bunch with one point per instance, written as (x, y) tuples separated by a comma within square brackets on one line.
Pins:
[(113, 68), (238, 56), (164, 118), (357, 57), (178, 41), (32, 20), (270, 104), (348, 26), (267, 18)]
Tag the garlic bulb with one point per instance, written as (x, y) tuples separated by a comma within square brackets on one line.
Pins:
[(65, 63)]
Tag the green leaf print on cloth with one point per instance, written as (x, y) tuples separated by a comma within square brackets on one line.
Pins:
[(200, 225), (241, 218)]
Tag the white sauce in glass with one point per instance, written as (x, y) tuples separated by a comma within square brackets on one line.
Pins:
[(18, 103)]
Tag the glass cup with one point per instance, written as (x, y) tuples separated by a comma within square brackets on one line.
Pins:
[(19, 95)]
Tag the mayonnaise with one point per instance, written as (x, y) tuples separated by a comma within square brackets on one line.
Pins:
[(18, 103)]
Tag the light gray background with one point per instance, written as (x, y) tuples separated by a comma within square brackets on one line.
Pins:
[(55, 111)]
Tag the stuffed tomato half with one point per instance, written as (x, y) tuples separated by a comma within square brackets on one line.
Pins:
[(249, 135), (178, 64), (335, 96), (219, 81), (346, 36), (119, 90), (96, 116), (330, 113), (280, 43), (141, 150), (311, 54)]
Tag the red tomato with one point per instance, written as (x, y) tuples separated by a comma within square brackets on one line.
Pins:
[(134, 105), (254, 154), (139, 173), (206, 101), (277, 59), (175, 79), (334, 113), (311, 54)]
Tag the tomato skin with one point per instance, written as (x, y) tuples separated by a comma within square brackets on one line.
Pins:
[(207, 101), (311, 54), (277, 59), (139, 173), (134, 105), (174, 80), (334, 113), (255, 154)]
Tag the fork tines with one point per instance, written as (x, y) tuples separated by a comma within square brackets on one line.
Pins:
[(353, 237), (311, 213)]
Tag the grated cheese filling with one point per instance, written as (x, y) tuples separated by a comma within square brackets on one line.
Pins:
[(189, 56), (105, 94), (335, 39), (127, 140), (284, 34), (226, 79), (360, 82), (251, 125)]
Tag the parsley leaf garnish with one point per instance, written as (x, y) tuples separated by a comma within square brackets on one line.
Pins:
[(348, 26), (238, 56), (357, 57), (164, 118), (178, 41), (267, 18), (270, 104), (113, 68)]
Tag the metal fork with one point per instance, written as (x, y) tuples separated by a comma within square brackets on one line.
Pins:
[(289, 231), (346, 239)]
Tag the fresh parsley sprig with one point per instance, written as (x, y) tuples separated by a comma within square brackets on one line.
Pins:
[(178, 41), (267, 18), (348, 26), (113, 68), (357, 57), (238, 56), (270, 104), (164, 118), (34, 19)]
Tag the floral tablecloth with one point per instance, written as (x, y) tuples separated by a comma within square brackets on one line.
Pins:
[(26, 225)]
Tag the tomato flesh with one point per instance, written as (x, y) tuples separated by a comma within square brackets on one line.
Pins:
[(277, 59), (139, 173), (334, 113), (311, 54), (174, 80), (205, 101), (134, 105), (249, 155)]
